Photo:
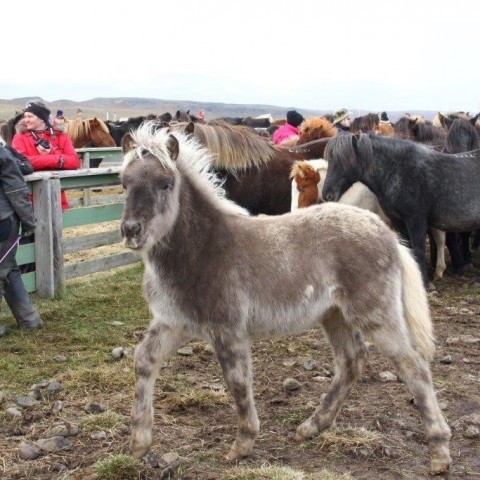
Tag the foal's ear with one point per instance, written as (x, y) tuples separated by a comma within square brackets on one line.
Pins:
[(127, 143), (190, 128), (474, 119), (172, 147)]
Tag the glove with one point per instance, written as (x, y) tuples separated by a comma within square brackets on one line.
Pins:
[(27, 229)]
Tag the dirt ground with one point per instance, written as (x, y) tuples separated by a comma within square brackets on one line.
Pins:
[(377, 436)]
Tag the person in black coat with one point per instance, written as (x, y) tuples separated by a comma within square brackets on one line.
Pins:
[(16, 211)]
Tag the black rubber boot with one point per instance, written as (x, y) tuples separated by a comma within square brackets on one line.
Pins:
[(20, 303)]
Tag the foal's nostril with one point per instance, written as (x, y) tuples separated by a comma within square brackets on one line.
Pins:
[(130, 228), (328, 197)]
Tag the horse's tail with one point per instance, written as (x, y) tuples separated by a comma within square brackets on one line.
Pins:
[(415, 304)]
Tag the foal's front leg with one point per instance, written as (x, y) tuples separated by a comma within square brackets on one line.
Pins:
[(157, 347), (234, 356)]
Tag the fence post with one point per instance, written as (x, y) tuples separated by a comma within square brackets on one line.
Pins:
[(87, 193), (42, 194), (57, 239), (50, 278)]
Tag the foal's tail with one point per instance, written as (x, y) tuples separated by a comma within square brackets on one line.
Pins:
[(415, 304)]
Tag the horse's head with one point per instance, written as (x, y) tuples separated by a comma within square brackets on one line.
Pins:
[(314, 129), (462, 135), (99, 133), (152, 182), (344, 169), (307, 179)]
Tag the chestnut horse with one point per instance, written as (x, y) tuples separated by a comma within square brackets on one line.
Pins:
[(314, 129), (89, 132), (214, 274)]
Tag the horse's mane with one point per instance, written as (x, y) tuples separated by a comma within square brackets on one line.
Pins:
[(193, 161), (341, 149), (403, 128), (233, 147), (458, 129), (100, 123), (304, 168), (78, 128), (318, 123), (365, 123), (426, 131)]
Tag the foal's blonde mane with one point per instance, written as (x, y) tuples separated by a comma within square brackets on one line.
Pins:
[(193, 160), (234, 147)]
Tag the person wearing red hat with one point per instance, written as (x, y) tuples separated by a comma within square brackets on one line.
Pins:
[(47, 147)]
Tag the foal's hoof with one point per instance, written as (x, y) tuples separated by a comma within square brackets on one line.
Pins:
[(440, 461), (138, 451), (307, 429), (438, 467), (239, 451)]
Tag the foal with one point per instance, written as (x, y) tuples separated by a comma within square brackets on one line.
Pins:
[(214, 273)]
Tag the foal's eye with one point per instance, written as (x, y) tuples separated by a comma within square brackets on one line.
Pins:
[(166, 184)]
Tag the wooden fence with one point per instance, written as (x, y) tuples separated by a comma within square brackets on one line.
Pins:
[(49, 247)]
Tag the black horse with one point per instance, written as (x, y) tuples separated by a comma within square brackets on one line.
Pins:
[(416, 186), (462, 137), (118, 129)]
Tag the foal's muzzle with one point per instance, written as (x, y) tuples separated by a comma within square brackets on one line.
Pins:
[(131, 231)]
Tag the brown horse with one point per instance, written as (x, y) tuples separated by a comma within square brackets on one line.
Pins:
[(214, 274), (422, 131), (90, 131), (256, 173), (365, 123)]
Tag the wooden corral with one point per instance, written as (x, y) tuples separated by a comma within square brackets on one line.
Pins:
[(49, 248)]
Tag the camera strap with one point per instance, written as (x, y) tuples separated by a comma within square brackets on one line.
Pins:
[(35, 136)]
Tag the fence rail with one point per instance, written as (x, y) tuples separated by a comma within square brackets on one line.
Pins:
[(49, 247)]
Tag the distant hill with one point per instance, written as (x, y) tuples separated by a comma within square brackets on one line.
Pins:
[(119, 107)]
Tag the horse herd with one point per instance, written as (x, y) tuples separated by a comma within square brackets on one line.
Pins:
[(204, 205)]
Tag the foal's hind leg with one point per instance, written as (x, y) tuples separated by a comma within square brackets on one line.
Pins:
[(415, 372), (235, 359), (351, 356), (157, 347)]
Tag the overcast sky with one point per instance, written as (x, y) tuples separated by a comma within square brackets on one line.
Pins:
[(374, 55)]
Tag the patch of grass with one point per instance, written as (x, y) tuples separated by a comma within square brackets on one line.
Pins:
[(350, 439), (79, 327), (198, 399), (279, 473), (119, 467), (297, 416), (263, 473), (108, 420)]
